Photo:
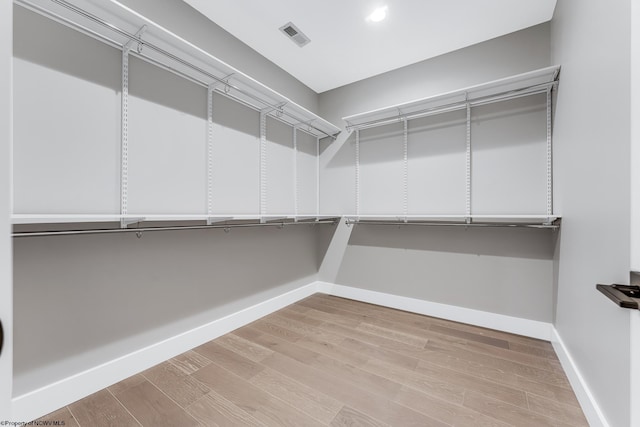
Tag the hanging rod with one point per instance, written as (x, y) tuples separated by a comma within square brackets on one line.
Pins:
[(168, 228), (457, 105), (136, 39), (552, 226)]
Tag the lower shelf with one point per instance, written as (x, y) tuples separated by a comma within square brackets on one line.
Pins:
[(38, 225), (529, 221), (48, 225), (134, 218)]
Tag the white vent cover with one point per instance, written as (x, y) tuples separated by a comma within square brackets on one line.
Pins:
[(292, 32)]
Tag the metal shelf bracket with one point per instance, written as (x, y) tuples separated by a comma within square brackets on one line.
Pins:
[(295, 171), (405, 169), (126, 222), (263, 165), (468, 164), (137, 38), (278, 108), (357, 172), (213, 220)]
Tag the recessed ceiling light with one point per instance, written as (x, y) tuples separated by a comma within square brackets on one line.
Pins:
[(378, 15)]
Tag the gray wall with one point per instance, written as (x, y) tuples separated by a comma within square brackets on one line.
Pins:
[(514, 53), (496, 270), (92, 299), (66, 120), (6, 299), (181, 19), (591, 39), (503, 271)]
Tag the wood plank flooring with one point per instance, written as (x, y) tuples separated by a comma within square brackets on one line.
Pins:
[(328, 361)]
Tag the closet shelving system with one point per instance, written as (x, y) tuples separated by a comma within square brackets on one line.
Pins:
[(542, 81), (118, 26)]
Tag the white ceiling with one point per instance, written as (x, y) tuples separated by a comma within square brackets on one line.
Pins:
[(346, 48)]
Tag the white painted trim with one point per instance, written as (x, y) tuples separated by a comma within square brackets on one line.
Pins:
[(501, 322), (588, 402), (47, 399)]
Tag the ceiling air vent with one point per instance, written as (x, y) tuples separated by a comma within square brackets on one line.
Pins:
[(292, 32)]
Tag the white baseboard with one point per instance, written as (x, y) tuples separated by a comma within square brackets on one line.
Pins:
[(589, 405), (45, 400), (500, 322)]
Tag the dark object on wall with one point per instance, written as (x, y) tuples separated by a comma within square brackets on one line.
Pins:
[(1, 337), (623, 295)]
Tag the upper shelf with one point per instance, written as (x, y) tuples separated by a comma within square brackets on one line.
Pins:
[(529, 83), (117, 25)]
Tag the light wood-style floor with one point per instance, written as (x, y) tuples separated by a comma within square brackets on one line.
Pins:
[(331, 361)]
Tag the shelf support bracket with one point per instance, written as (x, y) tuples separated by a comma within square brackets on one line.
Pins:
[(318, 176), (270, 108), (295, 173), (124, 136), (405, 170), (210, 147), (349, 126), (223, 81), (126, 222), (549, 156), (263, 165), (124, 126), (137, 39), (213, 220), (306, 126), (357, 172), (468, 166)]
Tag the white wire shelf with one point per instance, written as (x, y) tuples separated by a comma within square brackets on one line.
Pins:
[(18, 219), (537, 81), (61, 225), (25, 219), (530, 221), (113, 23)]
